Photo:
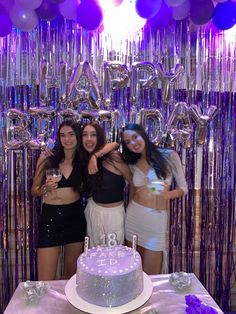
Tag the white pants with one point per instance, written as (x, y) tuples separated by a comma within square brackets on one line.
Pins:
[(102, 221)]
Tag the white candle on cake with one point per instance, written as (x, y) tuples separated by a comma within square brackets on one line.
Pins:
[(86, 245), (103, 240), (134, 244)]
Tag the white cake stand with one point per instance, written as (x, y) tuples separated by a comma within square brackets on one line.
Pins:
[(73, 297)]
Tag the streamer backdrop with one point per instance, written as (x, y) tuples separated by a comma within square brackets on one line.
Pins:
[(179, 80)]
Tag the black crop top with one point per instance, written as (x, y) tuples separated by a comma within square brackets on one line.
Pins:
[(107, 187), (66, 183)]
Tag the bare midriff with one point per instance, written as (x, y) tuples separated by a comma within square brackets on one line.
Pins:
[(109, 204), (61, 196), (144, 197)]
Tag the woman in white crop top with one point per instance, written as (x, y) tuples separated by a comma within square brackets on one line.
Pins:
[(147, 214)]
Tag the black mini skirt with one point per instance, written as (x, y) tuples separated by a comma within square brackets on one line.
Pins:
[(61, 224)]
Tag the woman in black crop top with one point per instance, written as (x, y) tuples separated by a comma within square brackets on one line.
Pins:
[(105, 209), (62, 220)]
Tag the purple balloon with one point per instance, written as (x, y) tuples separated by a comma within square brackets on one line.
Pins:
[(24, 19), (201, 12), (161, 19), (224, 16), (89, 14), (211, 28), (181, 12), (30, 5), (7, 4), (5, 22), (174, 3), (57, 1), (47, 10), (147, 8), (68, 9)]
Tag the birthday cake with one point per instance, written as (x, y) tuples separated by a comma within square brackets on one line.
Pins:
[(109, 276)]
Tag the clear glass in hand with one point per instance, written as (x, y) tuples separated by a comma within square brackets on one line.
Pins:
[(55, 175), (155, 186)]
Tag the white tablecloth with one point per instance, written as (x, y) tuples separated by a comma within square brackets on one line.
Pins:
[(164, 299)]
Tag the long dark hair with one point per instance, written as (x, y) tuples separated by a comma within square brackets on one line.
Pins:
[(85, 156), (154, 156), (59, 154)]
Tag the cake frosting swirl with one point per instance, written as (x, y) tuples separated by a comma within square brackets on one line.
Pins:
[(109, 276)]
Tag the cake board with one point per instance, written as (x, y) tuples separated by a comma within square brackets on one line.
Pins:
[(74, 299)]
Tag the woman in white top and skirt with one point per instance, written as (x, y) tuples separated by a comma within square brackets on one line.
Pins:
[(147, 213)]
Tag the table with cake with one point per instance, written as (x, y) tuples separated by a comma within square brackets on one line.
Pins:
[(110, 279)]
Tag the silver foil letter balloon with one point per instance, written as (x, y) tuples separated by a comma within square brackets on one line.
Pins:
[(116, 76), (179, 125), (202, 121), (153, 122), (168, 79), (83, 86), (16, 123), (43, 118), (142, 76)]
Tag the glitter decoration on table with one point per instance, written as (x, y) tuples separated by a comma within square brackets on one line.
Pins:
[(181, 281), (34, 290)]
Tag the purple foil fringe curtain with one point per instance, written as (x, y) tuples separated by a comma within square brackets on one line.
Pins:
[(203, 246), (202, 235)]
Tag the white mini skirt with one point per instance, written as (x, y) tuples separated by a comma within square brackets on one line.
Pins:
[(150, 226)]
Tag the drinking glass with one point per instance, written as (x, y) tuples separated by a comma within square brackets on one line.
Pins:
[(55, 175), (155, 186)]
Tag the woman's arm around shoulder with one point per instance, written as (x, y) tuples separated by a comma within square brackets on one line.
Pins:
[(92, 165), (107, 148)]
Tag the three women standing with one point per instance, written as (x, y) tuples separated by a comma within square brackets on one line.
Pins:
[(147, 213)]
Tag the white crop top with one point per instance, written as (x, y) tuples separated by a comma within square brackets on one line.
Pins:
[(139, 178)]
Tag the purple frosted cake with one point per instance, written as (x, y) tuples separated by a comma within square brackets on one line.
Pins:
[(109, 276)]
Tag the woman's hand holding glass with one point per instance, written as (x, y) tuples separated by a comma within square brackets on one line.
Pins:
[(158, 187), (155, 186), (53, 176)]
